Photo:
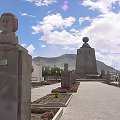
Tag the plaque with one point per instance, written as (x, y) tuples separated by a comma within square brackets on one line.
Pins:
[(3, 62)]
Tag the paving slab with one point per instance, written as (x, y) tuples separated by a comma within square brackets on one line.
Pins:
[(94, 101), (41, 91)]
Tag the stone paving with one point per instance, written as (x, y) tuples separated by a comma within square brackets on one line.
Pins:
[(42, 91), (94, 101)]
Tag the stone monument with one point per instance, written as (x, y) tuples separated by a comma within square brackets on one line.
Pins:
[(15, 73), (65, 78), (86, 61), (108, 77), (102, 75)]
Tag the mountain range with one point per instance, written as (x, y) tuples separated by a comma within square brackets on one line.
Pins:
[(71, 60)]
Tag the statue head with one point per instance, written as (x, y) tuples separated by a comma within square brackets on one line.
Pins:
[(8, 23), (65, 66)]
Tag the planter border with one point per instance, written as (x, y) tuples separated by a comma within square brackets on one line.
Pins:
[(68, 100), (58, 114), (54, 104)]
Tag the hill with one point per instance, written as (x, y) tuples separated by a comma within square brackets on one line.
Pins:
[(70, 59)]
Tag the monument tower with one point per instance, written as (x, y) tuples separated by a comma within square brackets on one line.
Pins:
[(86, 61)]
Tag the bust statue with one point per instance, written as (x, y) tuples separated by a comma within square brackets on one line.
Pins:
[(85, 40), (8, 26), (65, 67)]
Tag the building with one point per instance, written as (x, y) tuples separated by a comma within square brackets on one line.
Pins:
[(37, 73)]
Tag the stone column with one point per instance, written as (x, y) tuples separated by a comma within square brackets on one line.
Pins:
[(15, 84), (108, 77), (65, 78), (102, 74)]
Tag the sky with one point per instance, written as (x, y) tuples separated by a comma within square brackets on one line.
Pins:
[(50, 28)]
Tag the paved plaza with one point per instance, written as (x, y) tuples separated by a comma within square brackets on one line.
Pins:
[(42, 91), (94, 101)]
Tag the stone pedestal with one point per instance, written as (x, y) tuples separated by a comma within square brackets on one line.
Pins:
[(86, 61), (15, 83), (65, 78)]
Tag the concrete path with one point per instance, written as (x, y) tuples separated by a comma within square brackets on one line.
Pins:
[(42, 91), (94, 101)]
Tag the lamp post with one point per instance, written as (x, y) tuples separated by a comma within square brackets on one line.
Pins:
[(44, 73), (56, 74), (39, 78)]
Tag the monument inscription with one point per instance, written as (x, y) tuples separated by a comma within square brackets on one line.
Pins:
[(3, 62)]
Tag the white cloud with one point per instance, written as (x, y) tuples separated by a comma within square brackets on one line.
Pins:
[(62, 38), (67, 47), (42, 28), (43, 46), (23, 45), (42, 2), (52, 22), (109, 59), (26, 14), (74, 30), (104, 32), (104, 6), (82, 19), (31, 49), (56, 20)]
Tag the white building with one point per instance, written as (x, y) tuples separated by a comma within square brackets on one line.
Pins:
[(37, 73)]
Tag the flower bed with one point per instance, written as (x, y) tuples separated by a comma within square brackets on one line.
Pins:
[(51, 100), (43, 113), (73, 89), (113, 84)]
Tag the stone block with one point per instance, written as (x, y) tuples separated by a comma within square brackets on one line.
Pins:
[(15, 83), (65, 78)]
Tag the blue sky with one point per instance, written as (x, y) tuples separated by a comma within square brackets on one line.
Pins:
[(55, 27)]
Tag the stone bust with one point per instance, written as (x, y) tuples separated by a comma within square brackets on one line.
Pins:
[(8, 26), (65, 67)]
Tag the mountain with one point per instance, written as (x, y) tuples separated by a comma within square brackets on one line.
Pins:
[(70, 59)]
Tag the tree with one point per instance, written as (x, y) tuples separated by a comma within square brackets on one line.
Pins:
[(45, 72), (53, 72)]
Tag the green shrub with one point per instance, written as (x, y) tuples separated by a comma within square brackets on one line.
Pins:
[(55, 93)]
